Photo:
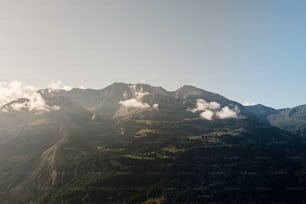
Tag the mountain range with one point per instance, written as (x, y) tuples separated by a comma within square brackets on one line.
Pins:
[(136, 143), (291, 119)]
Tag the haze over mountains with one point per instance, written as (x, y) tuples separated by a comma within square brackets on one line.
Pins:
[(136, 143)]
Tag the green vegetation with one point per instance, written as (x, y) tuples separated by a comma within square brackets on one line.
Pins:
[(188, 161), (147, 132)]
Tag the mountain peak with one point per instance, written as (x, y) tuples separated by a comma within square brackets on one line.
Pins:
[(262, 106), (188, 90)]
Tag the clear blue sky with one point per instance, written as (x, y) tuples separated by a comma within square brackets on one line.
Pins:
[(246, 50)]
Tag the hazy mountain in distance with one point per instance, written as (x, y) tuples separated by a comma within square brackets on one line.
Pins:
[(261, 111), (291, 119)]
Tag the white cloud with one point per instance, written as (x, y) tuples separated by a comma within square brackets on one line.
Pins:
[(226, 112), (12, 91), (209, 110), (155, 106), (207, 115), (202, 105), (247, 103), (58, 85), (136, 102)]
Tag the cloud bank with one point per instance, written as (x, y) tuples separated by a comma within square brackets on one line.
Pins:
[(12, 92), (211, 110)]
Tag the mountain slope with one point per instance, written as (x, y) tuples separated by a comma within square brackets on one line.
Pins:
[(121, 99), (134, 161), (262, 112), (142, 144), (291, 119)]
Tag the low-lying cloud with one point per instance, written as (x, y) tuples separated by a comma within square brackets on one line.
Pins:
[(134, 103), (226, 112), (211, 110), (207, 115), (202, 105), (33, 101), (137, 102), (155, 106)]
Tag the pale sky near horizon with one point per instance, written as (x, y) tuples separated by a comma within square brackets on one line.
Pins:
[(245, 50)]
